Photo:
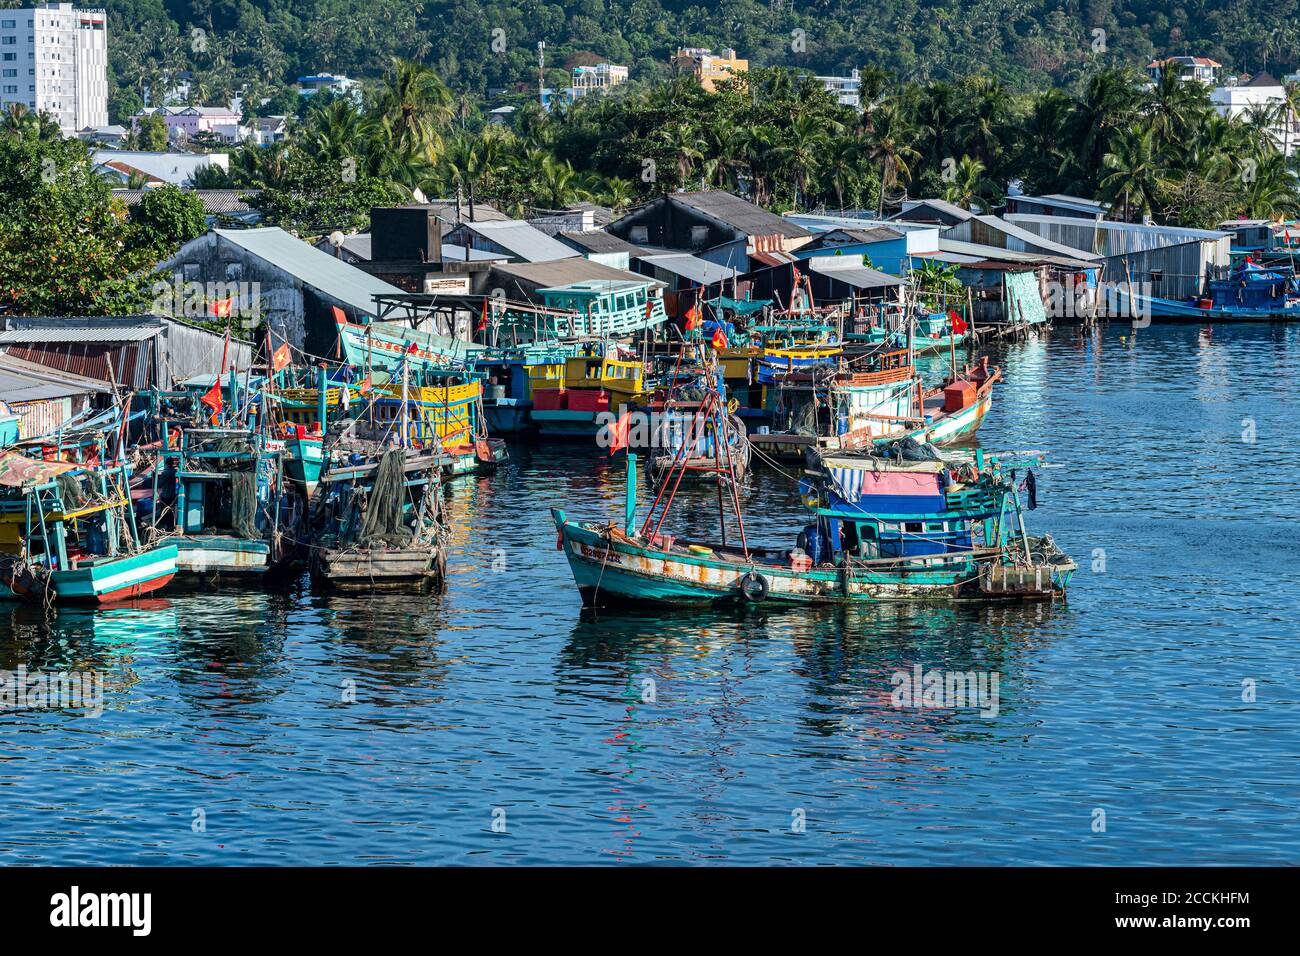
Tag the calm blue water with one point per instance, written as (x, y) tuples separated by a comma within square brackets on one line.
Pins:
[(500, 701)]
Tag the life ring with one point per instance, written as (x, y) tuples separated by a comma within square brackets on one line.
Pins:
[(753, 587)]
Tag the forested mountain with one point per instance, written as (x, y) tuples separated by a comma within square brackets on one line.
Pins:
[(262, 45)]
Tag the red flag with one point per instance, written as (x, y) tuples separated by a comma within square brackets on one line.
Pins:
[(483, 319), (366, 385), (719, 338), (340, 317), (221, 307), (412, 348), (212, 399), (281, 358), (958, 324), (693, 318), (618, 432)]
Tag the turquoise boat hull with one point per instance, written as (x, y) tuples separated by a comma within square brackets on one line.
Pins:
[(105, 580), (611, 568)]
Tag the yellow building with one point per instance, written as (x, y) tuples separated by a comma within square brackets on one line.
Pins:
[(707, 68)]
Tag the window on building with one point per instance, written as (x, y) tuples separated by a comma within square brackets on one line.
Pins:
[(699, 235), (640, 234)]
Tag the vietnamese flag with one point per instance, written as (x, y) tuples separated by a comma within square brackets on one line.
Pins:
[(366, 385), (281, 358), (618, 432), (693, 318), (212, 399), (958, 324), (221, 307), (483, 319), (719, 338)]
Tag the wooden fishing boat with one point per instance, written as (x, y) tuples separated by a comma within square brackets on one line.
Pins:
[(881, 531), (380, 523), (839, 407), (594, 387), (68, 535), (223, 498)]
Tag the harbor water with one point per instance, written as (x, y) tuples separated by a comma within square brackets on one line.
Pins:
[(1149, 720)]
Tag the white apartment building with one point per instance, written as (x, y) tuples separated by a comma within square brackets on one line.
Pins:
[(54, 59), (1237, 99), (596, 79), (847, 90)]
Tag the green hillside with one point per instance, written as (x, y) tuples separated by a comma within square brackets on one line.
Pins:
[(1027, 44)]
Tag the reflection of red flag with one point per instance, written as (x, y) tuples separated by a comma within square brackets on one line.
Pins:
[(719, 338), (618, 432), (281, 358), (212, 399), (221, 307)]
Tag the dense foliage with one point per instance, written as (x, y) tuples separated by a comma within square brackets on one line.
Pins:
[(780, 139), (262, 45)]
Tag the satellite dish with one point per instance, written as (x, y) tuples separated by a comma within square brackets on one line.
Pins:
[(336, 238), (418, 195)]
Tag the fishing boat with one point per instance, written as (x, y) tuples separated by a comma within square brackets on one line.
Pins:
[(881, 530), (68, 535), (1250, 293), (935, 332), (848, 405), (593, 388), (685, 425), (443, 411), (380, 523), (952, 412), (222, 496)]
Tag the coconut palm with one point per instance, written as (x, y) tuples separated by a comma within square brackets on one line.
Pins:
[(1131, 172), (889, 145), (969, 184), (416, 104)]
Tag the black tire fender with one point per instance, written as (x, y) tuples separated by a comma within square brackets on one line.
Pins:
[(753, 587)]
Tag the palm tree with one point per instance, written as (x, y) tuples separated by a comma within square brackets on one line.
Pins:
[(1271, 192), (416, 104), (843, 167), (1132, 172), (1291, 105), (968, 184), (801, 151), (617, 194), (889, 145)]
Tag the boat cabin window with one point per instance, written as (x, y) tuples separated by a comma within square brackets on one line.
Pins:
[(914, 527)]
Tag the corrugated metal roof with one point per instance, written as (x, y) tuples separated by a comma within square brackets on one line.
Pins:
[(215, 201), (739, 214), (566, 272), (977, 252), (97, 333), (319, 270), (856, 275), (940, 205), (690, 267), (522, 240), (598, 241), (1013, 231), (22, 381)]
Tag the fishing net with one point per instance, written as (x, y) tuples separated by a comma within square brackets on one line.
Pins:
[(243, 480), (70, 492), (383, 516), (243, 504)]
